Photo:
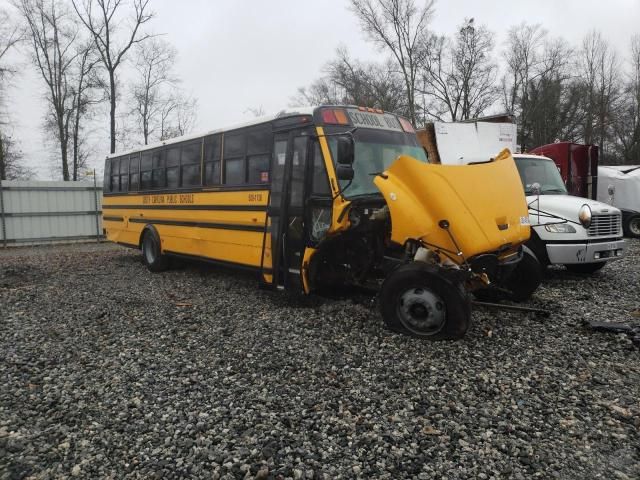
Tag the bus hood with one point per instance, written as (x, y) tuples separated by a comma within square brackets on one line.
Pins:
[(483, 203), (564, 207)]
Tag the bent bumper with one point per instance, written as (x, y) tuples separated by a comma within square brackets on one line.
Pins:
[(571, 253)]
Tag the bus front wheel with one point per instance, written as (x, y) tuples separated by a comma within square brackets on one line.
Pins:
[(419, 300), (151, 252)]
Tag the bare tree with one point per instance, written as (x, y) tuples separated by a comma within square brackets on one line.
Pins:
[(626, 122), (11, 166), (53, 36), (460, 75), (103, 28), (351, 82), (600, 70), (178, 116), (400, 27), (152, 88), (84, 82), (10, 35)]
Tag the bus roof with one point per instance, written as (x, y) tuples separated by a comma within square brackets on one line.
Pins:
[(292, 112)]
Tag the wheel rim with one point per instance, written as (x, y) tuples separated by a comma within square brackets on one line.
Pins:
[(634, 226), (148, 246), (422, 311)]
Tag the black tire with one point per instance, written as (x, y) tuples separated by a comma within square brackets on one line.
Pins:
[(420, 300), (632, 226), (525, 278), (151, 253), (584, 268)]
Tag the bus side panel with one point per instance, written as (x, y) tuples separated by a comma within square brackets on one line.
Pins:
[(221, 225)]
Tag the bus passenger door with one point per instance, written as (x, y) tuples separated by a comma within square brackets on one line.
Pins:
[(285, 212)]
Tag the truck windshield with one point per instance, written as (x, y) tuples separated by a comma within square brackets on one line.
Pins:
[(375, 151), (542, 171)]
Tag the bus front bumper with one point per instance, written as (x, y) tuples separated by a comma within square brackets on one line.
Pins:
[(572, 253)]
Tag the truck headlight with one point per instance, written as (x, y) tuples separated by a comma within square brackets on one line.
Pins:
[(584, 215), (560, 228)]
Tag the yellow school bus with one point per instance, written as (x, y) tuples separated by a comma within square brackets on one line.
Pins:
[(322, 198)]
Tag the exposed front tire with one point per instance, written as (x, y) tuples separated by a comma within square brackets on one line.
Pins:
[(632, 226), (420, 300), (585, 268), (525, 278), (151, 252)]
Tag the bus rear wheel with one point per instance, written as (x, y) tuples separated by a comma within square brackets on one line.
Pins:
[(419, 300), (151, 253)]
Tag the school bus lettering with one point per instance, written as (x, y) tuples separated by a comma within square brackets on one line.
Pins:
[(255, 197)]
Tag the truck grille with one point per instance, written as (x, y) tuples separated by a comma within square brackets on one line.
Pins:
[(605, 225)]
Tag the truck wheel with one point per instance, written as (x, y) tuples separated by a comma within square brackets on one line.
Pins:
[(151, 253), (419, 300), (584, 268), (632, 226), (525, 278)]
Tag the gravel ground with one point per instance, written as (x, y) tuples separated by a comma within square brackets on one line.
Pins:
[(110, 371)]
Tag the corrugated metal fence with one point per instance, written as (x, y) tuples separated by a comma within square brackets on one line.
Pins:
[(32, 213)]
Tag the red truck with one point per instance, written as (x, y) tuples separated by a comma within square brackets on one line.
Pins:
[(578, 165)]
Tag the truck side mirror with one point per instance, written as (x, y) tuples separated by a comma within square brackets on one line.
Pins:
[(345, 150)]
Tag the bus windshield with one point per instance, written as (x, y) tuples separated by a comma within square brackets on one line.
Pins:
[(542, 171), (375, 151)]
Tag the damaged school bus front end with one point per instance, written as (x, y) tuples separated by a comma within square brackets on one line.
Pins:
[(462, 228)]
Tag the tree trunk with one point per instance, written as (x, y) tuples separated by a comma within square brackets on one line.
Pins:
[(76, 134), (112, 111), (3, 168)]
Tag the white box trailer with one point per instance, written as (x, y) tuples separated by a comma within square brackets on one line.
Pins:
[(619, 186)]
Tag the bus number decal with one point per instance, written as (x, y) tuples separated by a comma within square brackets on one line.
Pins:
[(255, 197)]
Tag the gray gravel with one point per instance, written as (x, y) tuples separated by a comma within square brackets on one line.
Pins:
[(110, 371)]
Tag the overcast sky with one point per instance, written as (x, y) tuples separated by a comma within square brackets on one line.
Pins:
[(240, 54)]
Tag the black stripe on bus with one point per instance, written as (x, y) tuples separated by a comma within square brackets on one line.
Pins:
[(229, 208), (224, 263), (112, 219), (184, 223)]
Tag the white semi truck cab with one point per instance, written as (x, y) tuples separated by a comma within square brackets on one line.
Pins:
[(580, 233)]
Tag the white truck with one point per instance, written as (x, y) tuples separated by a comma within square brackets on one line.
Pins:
[(580, 233), (619, 186)]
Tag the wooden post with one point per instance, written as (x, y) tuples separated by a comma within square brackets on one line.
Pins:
[(95, 197)]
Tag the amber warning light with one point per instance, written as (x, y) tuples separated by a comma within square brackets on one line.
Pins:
[(335, 116)]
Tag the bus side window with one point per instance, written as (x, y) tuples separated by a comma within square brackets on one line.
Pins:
[(212, 160), (106, 186), (146, 167), (173, 167), (115, 174), (190, 164), (320, 183), (158, 175), (259, 142), (124, 173), (134, 169), (234, 156), (298, 164)]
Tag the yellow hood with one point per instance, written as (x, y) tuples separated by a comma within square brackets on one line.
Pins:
[(484, 204)]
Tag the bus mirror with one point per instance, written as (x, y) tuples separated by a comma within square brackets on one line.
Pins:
[(345, 150), (344, 171)]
